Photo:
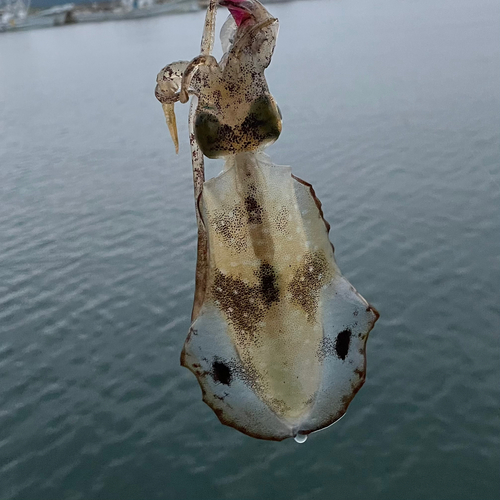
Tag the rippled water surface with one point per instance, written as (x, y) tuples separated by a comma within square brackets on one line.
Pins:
[(392, 112)]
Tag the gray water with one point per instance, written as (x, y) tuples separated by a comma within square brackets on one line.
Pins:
[(392, 112)]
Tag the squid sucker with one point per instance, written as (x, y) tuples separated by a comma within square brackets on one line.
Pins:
[(278, 335)]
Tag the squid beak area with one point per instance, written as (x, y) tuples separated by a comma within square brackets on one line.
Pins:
[(241, 10), (168, 110)]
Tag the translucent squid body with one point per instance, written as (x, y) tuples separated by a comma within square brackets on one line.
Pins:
[(278, 335)]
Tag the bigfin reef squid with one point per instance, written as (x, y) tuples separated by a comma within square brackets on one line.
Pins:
[(278, 335)]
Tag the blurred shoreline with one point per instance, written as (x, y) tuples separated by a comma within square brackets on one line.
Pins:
[(18, 15)]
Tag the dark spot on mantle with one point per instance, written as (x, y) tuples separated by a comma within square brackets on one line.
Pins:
[(245, 305), (230, 226), (307, 281), (253, 209), (342, 343), (221, 372), (338, 347), (268, 284)]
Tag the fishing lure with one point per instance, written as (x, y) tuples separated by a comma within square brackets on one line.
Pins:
[(278, 335)]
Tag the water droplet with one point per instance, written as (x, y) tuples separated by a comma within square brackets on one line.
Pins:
[(300, 438)]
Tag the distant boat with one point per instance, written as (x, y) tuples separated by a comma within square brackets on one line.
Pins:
[(132, 9), (14, 13), (14, 16)]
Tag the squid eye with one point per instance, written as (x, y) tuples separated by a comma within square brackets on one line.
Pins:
[(206, 130), (264, 120)]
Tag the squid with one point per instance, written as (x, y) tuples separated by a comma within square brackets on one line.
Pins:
[(278, 335)]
